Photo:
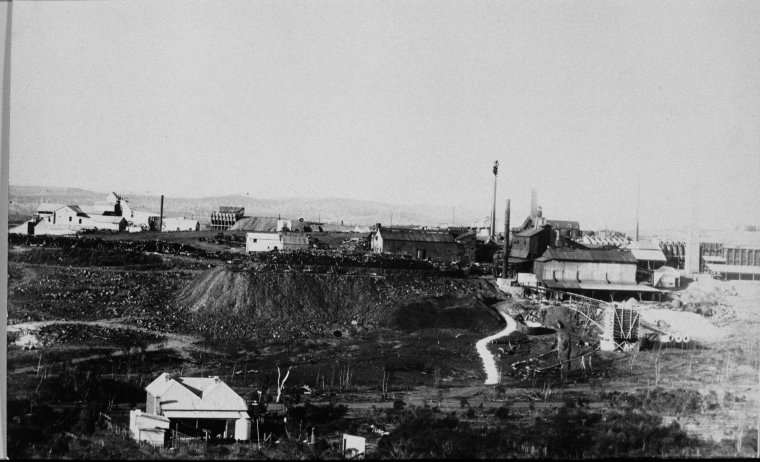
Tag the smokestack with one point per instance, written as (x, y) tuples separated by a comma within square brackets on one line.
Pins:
[(161, 216), (638, 208), (506, 241), (493, 210), (533, 202)]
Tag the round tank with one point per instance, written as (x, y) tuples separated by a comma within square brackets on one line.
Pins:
[(243, 429)]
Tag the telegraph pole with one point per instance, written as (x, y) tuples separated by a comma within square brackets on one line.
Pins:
[(493, 210)]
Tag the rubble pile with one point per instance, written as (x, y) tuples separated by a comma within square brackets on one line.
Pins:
[(142, 298), (350, 254), (253, 306), (93, 335), (706, 291)]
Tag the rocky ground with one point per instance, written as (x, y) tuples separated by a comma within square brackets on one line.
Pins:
[(97, 318)]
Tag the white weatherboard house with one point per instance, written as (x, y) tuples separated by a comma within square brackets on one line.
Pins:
[(203, 407), (263, 242)]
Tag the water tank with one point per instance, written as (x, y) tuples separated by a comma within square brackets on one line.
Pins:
[(243, 429)]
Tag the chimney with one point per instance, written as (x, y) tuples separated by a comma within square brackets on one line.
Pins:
[(506, 241), (161, 216), (378, 225)]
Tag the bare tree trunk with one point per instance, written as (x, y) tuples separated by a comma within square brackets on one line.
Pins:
[(280, 385)]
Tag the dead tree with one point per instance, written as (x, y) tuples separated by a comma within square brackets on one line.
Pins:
[(280, 385)]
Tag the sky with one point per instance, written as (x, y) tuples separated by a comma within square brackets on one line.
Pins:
[(399, 102)]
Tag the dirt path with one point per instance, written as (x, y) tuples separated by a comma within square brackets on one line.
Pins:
[(489, 363), (182, 344)]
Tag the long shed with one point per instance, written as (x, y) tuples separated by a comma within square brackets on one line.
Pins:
[(421, 244)]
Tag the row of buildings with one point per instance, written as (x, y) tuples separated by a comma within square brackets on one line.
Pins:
[(112, 215)]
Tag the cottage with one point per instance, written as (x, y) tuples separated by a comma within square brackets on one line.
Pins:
[(266, 241), (193, 406), (590, 272), (421, 244)]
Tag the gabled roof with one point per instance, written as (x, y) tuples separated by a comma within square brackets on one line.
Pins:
[(596, 256), (195, 394), (529, 232), (646, 251), (267, 224), (414, 235), (563, 224), (48, 207)]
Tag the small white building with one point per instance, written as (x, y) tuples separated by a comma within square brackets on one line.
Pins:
[(198, 407), (151, 428), (106, 222), (180, 224), (263, 242), (354, 446), (667, 278)]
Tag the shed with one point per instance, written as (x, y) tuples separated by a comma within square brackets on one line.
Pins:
[(263, 241), (421, 244), (589, 271), (648, 254)]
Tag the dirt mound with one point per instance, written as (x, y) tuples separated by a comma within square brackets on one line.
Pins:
[(707, 291), (227, 305), (445, 312)]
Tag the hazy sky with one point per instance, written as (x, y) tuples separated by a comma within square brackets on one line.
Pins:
[(398, 102)]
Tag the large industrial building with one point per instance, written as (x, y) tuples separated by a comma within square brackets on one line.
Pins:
[(737, 262), (597, 273)]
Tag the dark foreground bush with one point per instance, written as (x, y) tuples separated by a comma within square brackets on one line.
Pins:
[(567, 434)]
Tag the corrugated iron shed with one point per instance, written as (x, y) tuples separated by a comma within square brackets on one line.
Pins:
[(416, 236), (595, 256), (262, 224)]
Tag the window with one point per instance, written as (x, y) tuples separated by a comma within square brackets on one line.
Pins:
[(80, 221), (69, 218), (255, 241)]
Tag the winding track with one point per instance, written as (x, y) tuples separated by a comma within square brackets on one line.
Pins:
[(489, 363)]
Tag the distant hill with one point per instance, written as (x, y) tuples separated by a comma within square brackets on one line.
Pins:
[(25, 199)]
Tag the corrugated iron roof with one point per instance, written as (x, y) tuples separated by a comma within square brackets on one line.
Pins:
[(529, 232), (598, 286), (416, 236), (195, 394), (591, 255), (563, 224), (648, 254), (231, 209), (265, 224), (742, 269)]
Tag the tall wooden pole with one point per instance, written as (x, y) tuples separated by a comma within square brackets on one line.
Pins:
[(493, 210), (5, 148), (506, 241), (161, 216)]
